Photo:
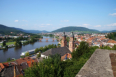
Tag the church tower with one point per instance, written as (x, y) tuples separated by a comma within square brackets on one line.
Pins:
[(71, 43), (63, 42)]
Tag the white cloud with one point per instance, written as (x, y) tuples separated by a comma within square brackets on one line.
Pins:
[(114, 14), (97, 26), (16, 21), (114, 24), (114, 9), (42, 26), (86, 24), (64, 20), (25, 20), (48, 24)]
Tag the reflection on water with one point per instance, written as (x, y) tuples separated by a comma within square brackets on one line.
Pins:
[(32, 43), (18, 48), (16, 51)]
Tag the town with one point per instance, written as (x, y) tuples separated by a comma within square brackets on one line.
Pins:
[(69, 42), (57, 38)]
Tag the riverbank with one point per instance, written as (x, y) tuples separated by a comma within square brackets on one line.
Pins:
[(15, 52)]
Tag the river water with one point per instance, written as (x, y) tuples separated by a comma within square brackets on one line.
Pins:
[(15, 52)]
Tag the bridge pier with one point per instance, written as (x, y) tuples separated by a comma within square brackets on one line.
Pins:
[(46, 39), (40, 39)]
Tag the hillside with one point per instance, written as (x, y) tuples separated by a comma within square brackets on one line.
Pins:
[(31, 31), (79, 29), (7, 30), (108, 31)]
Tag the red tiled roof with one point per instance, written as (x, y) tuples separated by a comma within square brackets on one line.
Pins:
[(111, 41), (30, 63), (2, 66), (6, 64), (19, 61)]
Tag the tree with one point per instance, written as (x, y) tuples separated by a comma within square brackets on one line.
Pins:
[(36, 50), (9, 59), (58, 45), (41, 48), (50, 67), (39, 55), (27, 54), (114, 47), (82, 49), (4, 43)]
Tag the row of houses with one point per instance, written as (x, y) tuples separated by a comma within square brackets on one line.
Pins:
[(16, 68), (96, 40)]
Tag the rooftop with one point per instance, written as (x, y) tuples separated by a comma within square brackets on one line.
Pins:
[(61, 50)]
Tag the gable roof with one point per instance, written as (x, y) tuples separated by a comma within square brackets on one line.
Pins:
[(61, 50)]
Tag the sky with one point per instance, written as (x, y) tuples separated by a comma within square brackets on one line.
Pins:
[(54, 14)]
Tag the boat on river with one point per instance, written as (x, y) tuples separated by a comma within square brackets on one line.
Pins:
[(30, 52)]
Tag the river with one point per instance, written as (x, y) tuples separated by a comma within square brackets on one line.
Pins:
[(15, 52)]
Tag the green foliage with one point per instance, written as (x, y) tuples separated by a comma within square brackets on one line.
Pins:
[(54, 67), (43, 49), (18, 43), (72, 28), (39, 55), (9, 59), (6, 30), (6, 47), (67, 39), (36, 50), (47, 68), (82, 49), (114, 47), (112, 36), (50, 35), (106, 47), (4, 43), (58, 45), (27, 54)]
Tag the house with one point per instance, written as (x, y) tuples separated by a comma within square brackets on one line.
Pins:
[(16, 68), (1, 67), (25, 60), (62, 51), (111, 42)]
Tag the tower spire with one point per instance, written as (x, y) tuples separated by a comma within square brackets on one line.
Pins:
[(63, 42), (71, 42)]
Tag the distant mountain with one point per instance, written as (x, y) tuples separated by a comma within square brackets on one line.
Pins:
[(6, 30), (31, 31), (73, 28), (108, 31)]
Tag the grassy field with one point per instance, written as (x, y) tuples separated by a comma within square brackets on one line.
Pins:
[(8, 43)]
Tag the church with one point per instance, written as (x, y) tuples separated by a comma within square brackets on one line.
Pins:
[(64, 51)]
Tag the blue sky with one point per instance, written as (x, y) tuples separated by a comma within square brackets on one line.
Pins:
[(53, 14)]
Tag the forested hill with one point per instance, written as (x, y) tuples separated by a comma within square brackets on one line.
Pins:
[(7, 30), (80, 29)]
